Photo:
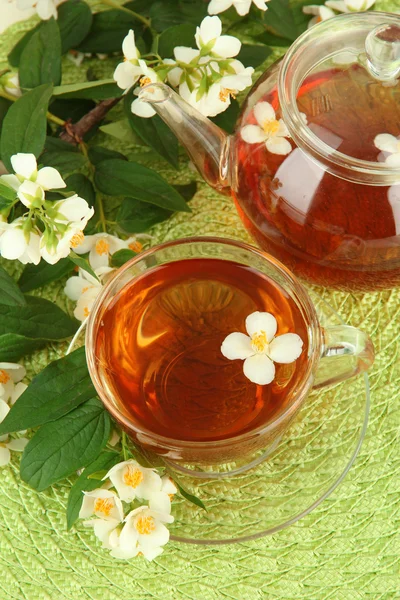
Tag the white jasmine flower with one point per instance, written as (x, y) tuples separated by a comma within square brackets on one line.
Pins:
[(131, 480), (100, 247), (103, 504), (138, 107), (322, 13), (105, 531), (161, 501), (25, 168), (210, 41), (143, 532), (74, 210), (242, 6), (84, 289), (44, 8), (11, 375), (220, 93), (128, 72), (391, 145), (31, 194), (260, 348), (269, 130), (19, 243), (347, 6), (10, 83)]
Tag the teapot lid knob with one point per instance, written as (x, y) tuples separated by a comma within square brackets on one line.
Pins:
[(382, 47)]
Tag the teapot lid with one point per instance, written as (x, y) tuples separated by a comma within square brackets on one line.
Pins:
[(339, 92)]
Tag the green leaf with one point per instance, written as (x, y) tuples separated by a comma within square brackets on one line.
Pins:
[(178, 35), (71, 109), (227, 119), (84, 483), (62, 447), (4, 106), (25, 124), (15, 55), (271, 39), (82, 263), (187, 495), (41, 58), (121, 130), (279, 17), (187, 190), (40, 319), (153, 132), (94, 90), (135, 216), (65, 162), (253, 56), (13, 347), (98, 153), (10, 294), (54, 144), (108, 31), (35, 276), (118, 177), (74, 20), (82, 186), (62, 386), (120, 257), (7, 193)]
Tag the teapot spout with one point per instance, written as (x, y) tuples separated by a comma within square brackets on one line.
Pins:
[(206, 144)]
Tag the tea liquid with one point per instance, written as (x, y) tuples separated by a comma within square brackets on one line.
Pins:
[(326, 229), (158, 349)]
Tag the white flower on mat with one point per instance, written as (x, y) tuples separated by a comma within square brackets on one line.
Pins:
[(210, 41), (100, 247), (242, 6), (44, 8), (84, 289), (25, 168), (128, 72), (144, 533), (269, 130), (131, 480), (105, 531), (390, 145), (321, 13), (17, 242), (327, 10), (103, 504), (10, 83), (11, 386), (138, 107), (260, 348), (161, 501)]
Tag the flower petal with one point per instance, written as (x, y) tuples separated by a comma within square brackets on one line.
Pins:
[(11, 180), (126, 75), (242, 7), (393, 160), (184, 54), (129, 46), (4, 410), (18, 445), (5, 456), (150, 553), (218, 6), (29, 191), (210, 28), (50, 179), (142, 109), (160, 502), (85, 303), (15, 371), (73, 209), (339, 5), (387, 142), (158, 537), (227, 46), (278, 145), (24, 164), (285, 348), (259, 369), (18, 390), (12, 243), (261, 321), (168, 486), (46, 9), (102, 530), (237, 346), (253, 134), (97, 260), (75, 286), (264, 112)]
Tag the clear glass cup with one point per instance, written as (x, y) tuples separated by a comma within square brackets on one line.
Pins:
[(334, 353)]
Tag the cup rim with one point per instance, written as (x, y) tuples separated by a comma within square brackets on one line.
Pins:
[(314, 341)]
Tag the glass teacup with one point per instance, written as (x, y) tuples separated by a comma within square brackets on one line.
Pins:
[(154, 348)]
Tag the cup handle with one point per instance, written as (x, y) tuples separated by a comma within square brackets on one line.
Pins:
[(346, 352)]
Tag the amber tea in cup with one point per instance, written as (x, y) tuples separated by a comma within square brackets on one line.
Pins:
[(154, 349)]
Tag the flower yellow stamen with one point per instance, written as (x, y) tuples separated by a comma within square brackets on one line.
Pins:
[(144, 81), (104, 506), (259, 341), (225, 93), (4, 376), (271, 127), (136, 246), (102, 247), (85, 289), (77, 239), (86, 312), (145, 525), (133, 476)]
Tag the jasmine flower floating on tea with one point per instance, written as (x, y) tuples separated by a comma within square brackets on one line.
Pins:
[(261, 347)]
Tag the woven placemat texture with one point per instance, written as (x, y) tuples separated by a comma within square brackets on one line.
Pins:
[(347, 549)]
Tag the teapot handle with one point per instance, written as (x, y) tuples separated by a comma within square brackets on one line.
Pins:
[(346, 352)]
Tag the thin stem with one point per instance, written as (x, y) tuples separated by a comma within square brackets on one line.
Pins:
[(127, 10), (124, 443)]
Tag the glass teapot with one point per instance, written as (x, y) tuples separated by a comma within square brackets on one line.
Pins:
[(314, 164)]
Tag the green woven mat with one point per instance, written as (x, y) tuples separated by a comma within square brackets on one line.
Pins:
[(347, 549)]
